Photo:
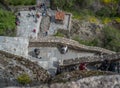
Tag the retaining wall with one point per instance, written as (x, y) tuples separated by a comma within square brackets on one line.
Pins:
[(113, 57), (54, 41)]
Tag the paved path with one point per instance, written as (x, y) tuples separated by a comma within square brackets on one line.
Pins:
[(27, 24), (51, 55), (49, 52), (44, 26)]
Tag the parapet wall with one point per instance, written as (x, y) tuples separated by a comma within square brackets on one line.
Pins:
[(53, 41), (21, 8), (113, 57)]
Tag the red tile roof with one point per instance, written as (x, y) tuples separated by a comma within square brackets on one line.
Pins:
[(59, 15)]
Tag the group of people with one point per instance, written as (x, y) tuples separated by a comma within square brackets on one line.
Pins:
[(107, 65)]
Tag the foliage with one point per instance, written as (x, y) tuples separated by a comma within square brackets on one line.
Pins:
[(59, 34), (110, 1), (24, 79), (93, 42), (63, 4), (93, 19), (104, 12), (21, 2), (106, 20), (117, 19), (112, 38), (7, 22)]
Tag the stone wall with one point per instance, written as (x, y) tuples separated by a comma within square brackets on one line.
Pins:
[(94, 59), (53, 41), (14, 45), (21, 8)]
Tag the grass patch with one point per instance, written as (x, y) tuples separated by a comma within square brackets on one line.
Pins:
[(21, 2), (7, 23)]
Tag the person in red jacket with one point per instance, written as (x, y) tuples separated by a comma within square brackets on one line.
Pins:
[(82, 66), (34, 30)]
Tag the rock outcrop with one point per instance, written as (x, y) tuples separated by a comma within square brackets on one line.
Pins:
[(112, 81), (11, 66)]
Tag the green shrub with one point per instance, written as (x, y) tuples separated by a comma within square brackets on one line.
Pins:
[(24, 79), (104, 12), (112, 38), (59, 34)]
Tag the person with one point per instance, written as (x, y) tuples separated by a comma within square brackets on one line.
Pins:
[(28, 15), (34, 30), (118, 67), (37, 52), (104, 65), (36, 20), (64, 49), (37, 15), (82, 66), (46, 33), (58, 71), (19, 14), (112, 67)]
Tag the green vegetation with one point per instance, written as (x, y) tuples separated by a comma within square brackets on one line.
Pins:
[(82, 8), (20, 2), (59, 34), (93, 42), (112, 38), (24, 79), (7, 23), (110, 1), (87, 10)]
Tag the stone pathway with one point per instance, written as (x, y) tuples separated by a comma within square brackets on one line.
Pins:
[(28, 24), (49, 52), (45, 23), (51, 55)]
